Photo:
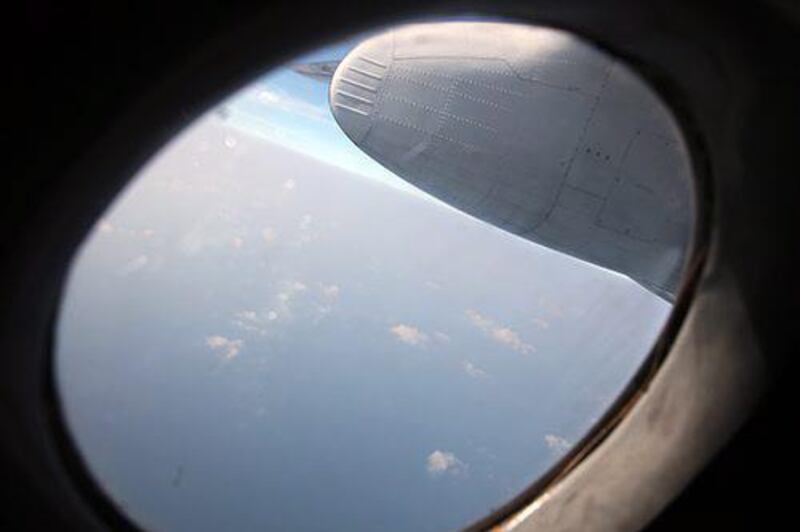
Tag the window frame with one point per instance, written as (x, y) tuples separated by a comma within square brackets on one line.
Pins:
[(75, 198)]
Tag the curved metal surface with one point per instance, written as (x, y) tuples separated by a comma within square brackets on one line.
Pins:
[(532, 130)]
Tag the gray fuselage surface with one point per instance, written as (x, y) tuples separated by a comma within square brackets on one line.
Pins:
[(531, 130)]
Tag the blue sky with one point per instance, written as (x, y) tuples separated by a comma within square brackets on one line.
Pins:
[(268, 330), (292, 110)]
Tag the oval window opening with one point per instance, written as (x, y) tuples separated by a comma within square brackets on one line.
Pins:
[(384, 287)]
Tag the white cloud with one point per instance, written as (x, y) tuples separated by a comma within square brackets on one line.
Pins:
[(554, 308), (441, 462), (216, 342), (224, 347), (306, 224), (249, 320), (480, 321), (106, 227), (255, 321), (237, 242), (284, 101), (269, 235), (499, 333), (322, 311), (289, 299), (288, 292), (506, 336), (247, 315), (290, 184), (472, 370), (557, 444), (230, 141), (541, 323), (290, 289), (326, 302), (267, 96), (442, 337), (193, 242), (408, 334), (134, 265), (330, 291)]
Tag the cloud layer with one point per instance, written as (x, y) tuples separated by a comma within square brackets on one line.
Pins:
[(472, 370), (282, 100), (499, 333), (557, 444), (224, 347), (441, 462), (409, 334)]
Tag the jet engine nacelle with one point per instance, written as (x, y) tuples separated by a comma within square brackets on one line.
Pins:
[(529, 129)]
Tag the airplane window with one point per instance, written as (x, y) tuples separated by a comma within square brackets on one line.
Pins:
[(386, 286)]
